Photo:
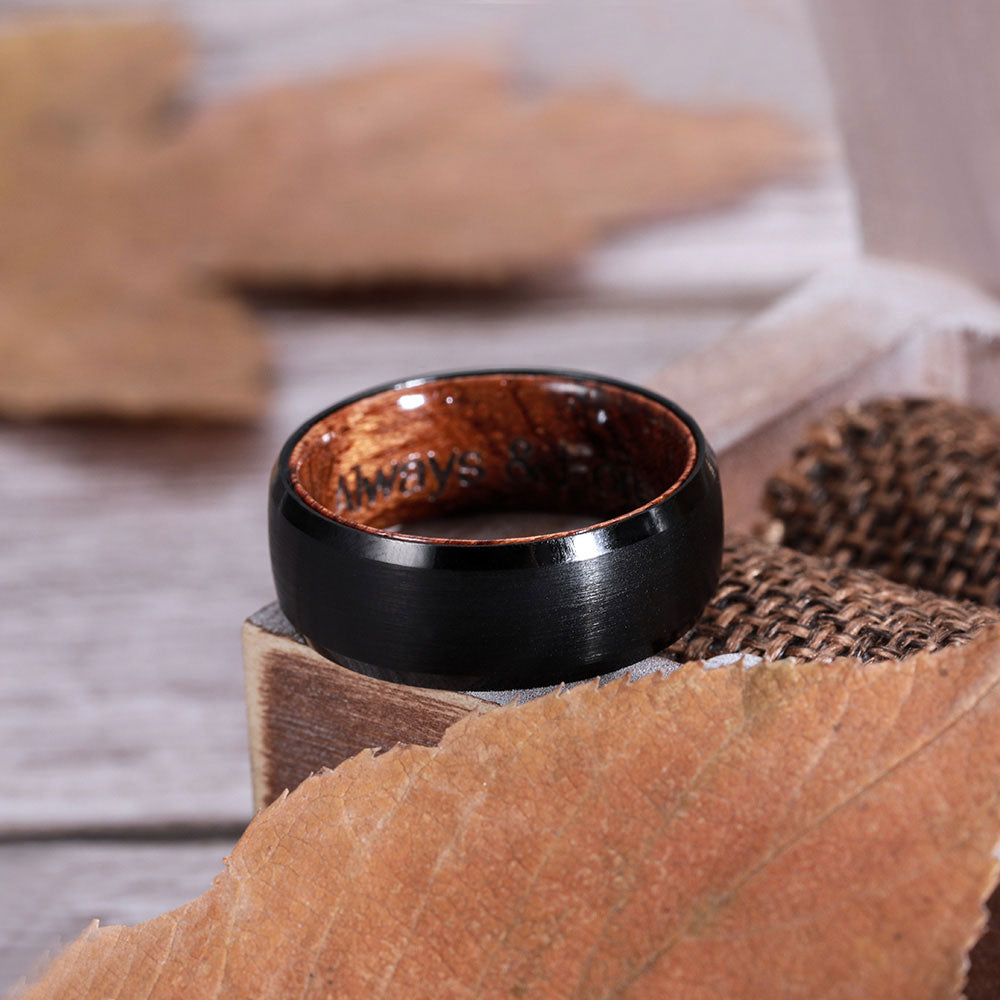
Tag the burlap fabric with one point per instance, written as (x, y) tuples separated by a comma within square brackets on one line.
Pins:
[(908, 488), (778, 603)]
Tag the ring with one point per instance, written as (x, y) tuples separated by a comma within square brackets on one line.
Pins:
[(367, 587)]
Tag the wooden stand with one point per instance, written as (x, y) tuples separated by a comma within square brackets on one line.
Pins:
[(306, 712)]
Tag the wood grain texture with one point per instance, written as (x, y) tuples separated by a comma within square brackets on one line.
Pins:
[(306, 712), (406, 455)]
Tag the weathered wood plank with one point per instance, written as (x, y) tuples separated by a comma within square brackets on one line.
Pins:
[(306, 712), (51, 891)]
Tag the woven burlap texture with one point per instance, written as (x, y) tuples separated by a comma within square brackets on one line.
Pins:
[(778, 603), (908, 488)]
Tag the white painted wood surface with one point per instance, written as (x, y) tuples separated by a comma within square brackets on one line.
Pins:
[(698, 51), (918, 94), (130, 556)]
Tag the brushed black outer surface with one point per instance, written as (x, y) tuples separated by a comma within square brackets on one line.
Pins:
[(498, 614)]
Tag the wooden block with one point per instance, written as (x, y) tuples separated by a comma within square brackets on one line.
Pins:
[(855, 332), (305, 712)]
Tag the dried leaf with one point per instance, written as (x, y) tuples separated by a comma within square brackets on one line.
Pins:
[(88, 79), (821, 830), (437, 169), (97, 314)]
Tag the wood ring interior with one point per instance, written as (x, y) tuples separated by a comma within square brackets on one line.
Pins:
[(492, 442)]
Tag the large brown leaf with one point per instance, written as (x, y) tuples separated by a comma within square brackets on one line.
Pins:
[(821, 830)]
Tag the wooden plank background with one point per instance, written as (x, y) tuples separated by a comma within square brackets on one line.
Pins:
[(131, 555)]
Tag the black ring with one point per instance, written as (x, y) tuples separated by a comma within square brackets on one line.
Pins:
[(502, 613)]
